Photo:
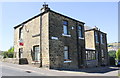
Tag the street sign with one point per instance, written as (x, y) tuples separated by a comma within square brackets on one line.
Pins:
[(21, 42)]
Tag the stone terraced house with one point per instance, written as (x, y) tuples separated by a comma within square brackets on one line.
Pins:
[(96, 40), (52, 40)]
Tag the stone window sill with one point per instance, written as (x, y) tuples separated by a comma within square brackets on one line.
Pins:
[(66, 35), (81, 38), (67, 61), (54, 38), (97, 42), (35, 62)]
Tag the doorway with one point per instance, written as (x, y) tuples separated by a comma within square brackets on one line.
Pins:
[(20, 52)]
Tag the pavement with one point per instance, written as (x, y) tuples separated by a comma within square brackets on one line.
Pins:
[(9, 69)]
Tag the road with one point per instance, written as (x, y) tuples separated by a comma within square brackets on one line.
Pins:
[(12, 71), (9, 69)]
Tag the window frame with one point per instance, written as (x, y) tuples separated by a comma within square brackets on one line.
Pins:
[(102, 53), (21, 33), (90, 55), (80, 31), (96, 37), (65, 30), (102, 38), (36, 53), (66, 50)]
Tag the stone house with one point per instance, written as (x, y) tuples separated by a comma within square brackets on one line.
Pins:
[(96, 40), (51, 40)]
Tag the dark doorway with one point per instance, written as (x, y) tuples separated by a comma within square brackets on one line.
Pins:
[(20, 52)]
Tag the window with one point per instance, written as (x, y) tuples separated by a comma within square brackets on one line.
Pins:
[(96, 37), (101, 37), (21, 33), (93, 55), (90, 55), (80, 32), (65, 27), (36, 53), (102, 53), (66, 52)]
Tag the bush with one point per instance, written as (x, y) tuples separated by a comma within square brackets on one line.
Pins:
[(112, 60), (112, 53), (9, 53), (118, 55), (5, 54)]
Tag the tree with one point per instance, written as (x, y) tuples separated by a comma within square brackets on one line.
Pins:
[(5, 54), (118, 55), (112, 53), (9, 53), (11, 49)]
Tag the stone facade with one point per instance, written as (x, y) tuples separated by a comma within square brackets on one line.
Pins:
[(45, 32), (45, 40), (90, 40), (30, 29), (57, 46), (93, 41)]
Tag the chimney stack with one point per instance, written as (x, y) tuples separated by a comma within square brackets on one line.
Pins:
[(96, 28), (45, 8)]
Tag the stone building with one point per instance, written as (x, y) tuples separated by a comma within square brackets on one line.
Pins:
[(52, 40), (96, 41)]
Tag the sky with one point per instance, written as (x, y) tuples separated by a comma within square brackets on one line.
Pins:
[(104, 15)]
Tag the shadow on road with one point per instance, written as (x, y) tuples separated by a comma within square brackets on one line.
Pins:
[(94, 70)]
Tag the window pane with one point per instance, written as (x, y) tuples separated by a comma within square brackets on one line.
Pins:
[(80, 34), (65, 31), (102, 53), (65, 48), (96, 37), (37, 53), (102, 38), (79, 27), (86, 55), (37, 56), (21, 33), (65, 54), (94, 53), (90, 55), (65, 27), (65, 23)]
